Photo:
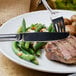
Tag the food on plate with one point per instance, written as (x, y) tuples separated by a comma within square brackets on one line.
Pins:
[(73, 23), (71, 29), (30, 50), (73, 18), (70, 24), (65, 4), (67, 21), (62, 50)]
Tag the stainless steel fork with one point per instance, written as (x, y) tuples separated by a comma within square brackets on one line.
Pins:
[(57, 21)]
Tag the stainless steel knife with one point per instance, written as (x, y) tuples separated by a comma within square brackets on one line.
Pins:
[(34, 36)]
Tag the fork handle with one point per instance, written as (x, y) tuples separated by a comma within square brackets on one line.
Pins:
[(47, 6)]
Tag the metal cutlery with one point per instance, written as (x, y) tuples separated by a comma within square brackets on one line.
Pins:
[(57, 20), (35, 36)]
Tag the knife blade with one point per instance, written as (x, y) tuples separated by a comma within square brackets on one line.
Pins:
[(34, 36), (44, 36)]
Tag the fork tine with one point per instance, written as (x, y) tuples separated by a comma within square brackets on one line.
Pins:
[(57, 27), (56, 24), (63, 25), (59, 24)]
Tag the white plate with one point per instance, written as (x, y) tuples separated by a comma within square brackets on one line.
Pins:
[(45, 65)]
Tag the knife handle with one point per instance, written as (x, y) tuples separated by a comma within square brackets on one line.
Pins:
[(10, 37)]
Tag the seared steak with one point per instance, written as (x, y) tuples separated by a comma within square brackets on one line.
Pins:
[(62, 50)]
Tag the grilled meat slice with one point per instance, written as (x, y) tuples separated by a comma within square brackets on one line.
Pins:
[(62, 50), (72, 41)]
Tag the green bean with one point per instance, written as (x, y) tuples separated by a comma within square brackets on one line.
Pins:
[(22, 43), (23, 26), (27, 44), (33, 25), (24, 50), (27, 28), (38, 53), (15, 47), (35, 61), (28, 57), (51, 28), (39, 45), (39, 28), (36, 25), (31, 51)]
